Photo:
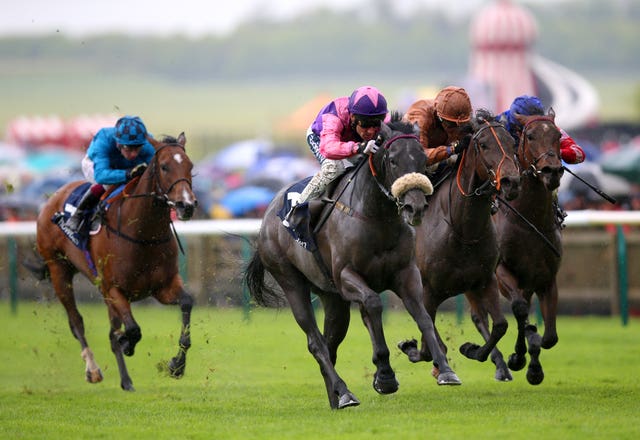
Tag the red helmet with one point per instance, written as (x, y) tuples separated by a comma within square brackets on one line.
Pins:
[(453, 104), (367, 101)]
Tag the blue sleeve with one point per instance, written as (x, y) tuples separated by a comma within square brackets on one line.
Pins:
[(102, 151)]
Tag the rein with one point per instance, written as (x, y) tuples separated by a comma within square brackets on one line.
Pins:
[(491, 185), (159, 194), (531, 225)]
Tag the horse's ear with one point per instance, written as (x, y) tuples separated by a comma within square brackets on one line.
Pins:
[(522, 119), (416, 129), (551, 113), (385, 131), (182, 139), (153, 142)]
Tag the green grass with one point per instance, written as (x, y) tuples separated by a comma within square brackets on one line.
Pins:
[(255, 379)]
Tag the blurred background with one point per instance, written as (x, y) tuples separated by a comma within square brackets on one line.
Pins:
[(244, 79)]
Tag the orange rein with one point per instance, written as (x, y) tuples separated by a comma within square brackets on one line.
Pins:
[(464, 156)]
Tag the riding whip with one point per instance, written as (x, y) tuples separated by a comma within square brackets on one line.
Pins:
[(601, 193)]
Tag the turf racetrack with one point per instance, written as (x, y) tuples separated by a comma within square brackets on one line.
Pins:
[(251, 377)]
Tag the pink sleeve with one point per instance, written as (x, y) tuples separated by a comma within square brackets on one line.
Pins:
[(331, 144), (570, 152)]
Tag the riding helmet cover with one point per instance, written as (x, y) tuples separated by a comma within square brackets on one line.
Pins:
[(130, 130), (453, 104), (522, 105), (367, 101)]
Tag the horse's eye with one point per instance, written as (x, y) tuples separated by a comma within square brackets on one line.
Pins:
[(164, 168)]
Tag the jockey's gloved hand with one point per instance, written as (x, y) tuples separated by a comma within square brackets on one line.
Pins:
[(458, 147), (136, 171), (368, 147)]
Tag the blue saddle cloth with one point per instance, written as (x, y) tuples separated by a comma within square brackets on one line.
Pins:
[(302, 233), (81, 237)]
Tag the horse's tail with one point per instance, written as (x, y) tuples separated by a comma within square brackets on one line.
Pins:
[(254, 279), (37, 266)]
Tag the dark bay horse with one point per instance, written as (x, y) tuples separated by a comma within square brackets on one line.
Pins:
[(134, 255), (456, 243), (366, 246), (529, 262)]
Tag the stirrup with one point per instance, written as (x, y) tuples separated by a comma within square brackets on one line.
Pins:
[(287, 217), (75, 222), (291, 220)]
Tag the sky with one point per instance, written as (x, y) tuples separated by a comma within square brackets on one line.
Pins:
[(193, 18)]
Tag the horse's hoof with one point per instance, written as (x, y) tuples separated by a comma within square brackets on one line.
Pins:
[(516, 363), (347, 400), (535, 375), (176, 370), (127, 386), (410, 348), (503, 375), (449, 378), (387, 385), (94, 376), (470, 350)]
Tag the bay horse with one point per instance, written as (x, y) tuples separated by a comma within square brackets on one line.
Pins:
[(133, 256), (365, 246), (530, 258), (456, 244)]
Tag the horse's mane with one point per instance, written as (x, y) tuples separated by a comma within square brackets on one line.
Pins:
[(398, 124), (483, 114), (166, 139)]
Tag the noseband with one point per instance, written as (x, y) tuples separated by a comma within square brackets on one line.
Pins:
[(530, 164)]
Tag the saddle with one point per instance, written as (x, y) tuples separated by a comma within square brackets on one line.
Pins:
[(88, 227), (309, 215)]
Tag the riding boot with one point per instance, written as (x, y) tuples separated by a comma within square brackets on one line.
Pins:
[(88, 201)]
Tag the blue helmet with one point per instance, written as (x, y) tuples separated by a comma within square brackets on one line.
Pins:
[(527, 105), (367, 101), (130, 130)]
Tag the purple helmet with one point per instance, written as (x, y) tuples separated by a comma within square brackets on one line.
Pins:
[(367, 101)]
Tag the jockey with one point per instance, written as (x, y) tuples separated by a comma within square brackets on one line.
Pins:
[(570, 152), (345, 127), (115, 155), (443, 123)]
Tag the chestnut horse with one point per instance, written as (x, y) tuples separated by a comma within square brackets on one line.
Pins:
[(366, 246), (530, 258), (133, 256), (456, 245)]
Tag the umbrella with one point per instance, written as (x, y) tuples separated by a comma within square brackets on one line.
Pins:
[(247, 198), (241, 155), (624, 162), (594, 174)]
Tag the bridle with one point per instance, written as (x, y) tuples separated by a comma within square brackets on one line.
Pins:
[(158, 193), (524, 156), (492, 185), (384, 160)]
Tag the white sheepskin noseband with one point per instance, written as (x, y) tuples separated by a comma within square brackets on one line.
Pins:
[(411, 181)]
